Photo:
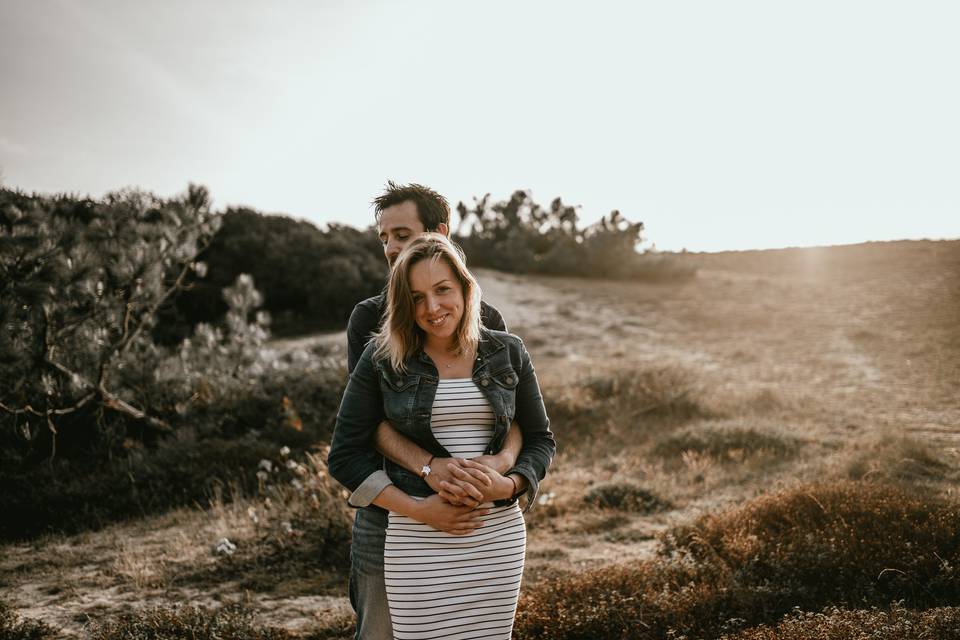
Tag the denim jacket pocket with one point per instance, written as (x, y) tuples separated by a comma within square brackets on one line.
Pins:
[(399, 394), (505, 382)]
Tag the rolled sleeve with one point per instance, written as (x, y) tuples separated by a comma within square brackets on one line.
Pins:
[(369, 489)]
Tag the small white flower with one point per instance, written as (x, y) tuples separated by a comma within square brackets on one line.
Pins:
[(284, 451), (297, 484), (287, 527), (266, 465), (292, 464), (262, 476), (225, 547)]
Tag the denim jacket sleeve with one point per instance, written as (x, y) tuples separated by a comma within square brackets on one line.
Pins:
[(353, 458), (539, 445)]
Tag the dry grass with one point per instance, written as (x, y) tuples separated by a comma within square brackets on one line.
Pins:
[(897, 623), (767, 369), (17, 627), (808, 547), (624, 496)]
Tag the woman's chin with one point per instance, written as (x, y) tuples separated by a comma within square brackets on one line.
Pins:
[(437, 333)]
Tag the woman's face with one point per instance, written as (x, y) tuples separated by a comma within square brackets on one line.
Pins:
[(438, 298)]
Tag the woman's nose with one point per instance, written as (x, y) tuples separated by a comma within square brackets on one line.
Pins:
[(433, 304)]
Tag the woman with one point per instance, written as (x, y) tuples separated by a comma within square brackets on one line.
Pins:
[(453, 387)]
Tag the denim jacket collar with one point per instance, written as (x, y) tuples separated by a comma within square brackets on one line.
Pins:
[(487, 346)]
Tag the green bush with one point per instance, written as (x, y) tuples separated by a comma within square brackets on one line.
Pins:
[(838, 624), (518, 235), (808, 547), (61, 498)]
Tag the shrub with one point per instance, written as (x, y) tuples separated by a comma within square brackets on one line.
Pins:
[(625, 496), (730, 444), (839, 624), (831, 543), (898, 459), (519, 235), (311, 278), (177, 473), (187, 623), (622, 405), (16, 627), (809, 547)]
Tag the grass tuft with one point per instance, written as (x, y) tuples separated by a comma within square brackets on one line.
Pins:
[(898, 459), (187, 623), (726, 444), (625, 496)]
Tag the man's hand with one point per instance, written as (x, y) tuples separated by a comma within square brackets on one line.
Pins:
[(502, 462), (454, 519)]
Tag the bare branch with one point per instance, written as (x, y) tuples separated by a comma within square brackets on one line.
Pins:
[(112, 402)]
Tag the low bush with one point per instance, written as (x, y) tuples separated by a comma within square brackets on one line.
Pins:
[(832, 543), (809, 547), (726, 444), (623, 406), (67, 499), (899, 460), (624, 496), (16, 627), (838, 624), (187, 623)]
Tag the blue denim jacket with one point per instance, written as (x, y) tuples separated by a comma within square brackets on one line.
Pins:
[(502, 371)]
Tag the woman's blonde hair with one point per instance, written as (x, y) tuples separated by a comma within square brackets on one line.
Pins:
[(399, 336)]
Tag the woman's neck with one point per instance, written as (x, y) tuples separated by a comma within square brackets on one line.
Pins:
[(439, 345)]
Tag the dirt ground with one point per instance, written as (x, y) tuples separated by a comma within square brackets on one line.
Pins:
[(836, 348)]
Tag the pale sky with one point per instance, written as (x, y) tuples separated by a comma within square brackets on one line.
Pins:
[(720, 125)]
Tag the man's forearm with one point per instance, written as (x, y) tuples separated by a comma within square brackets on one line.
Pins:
[(511, 449), (400, 449)]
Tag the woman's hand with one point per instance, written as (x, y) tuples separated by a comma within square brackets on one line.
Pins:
[(492, 484), (441, 515), (468, 490)]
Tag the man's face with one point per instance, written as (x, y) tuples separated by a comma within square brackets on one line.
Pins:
[(399, 225)]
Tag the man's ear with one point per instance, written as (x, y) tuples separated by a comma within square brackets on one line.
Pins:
[(444, 229)]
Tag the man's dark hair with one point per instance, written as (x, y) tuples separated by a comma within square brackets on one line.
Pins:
[(432, 208)]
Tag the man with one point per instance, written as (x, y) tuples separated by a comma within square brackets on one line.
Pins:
[(403, 212)]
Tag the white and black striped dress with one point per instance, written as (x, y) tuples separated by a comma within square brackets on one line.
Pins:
[(456, 587)]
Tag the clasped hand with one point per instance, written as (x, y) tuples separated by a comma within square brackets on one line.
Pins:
[(467, 482)]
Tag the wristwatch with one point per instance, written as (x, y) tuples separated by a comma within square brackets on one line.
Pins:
[(425, 469)]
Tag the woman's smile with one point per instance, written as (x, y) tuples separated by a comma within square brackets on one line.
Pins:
[(438, 299)]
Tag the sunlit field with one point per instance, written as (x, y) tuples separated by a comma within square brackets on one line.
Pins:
[(767, 450)]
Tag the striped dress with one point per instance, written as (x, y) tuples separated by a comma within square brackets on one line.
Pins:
[(456, 587)]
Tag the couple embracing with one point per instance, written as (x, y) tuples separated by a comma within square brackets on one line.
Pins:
[(440, 431)]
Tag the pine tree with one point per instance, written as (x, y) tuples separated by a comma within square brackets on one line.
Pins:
[(81, 281)]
